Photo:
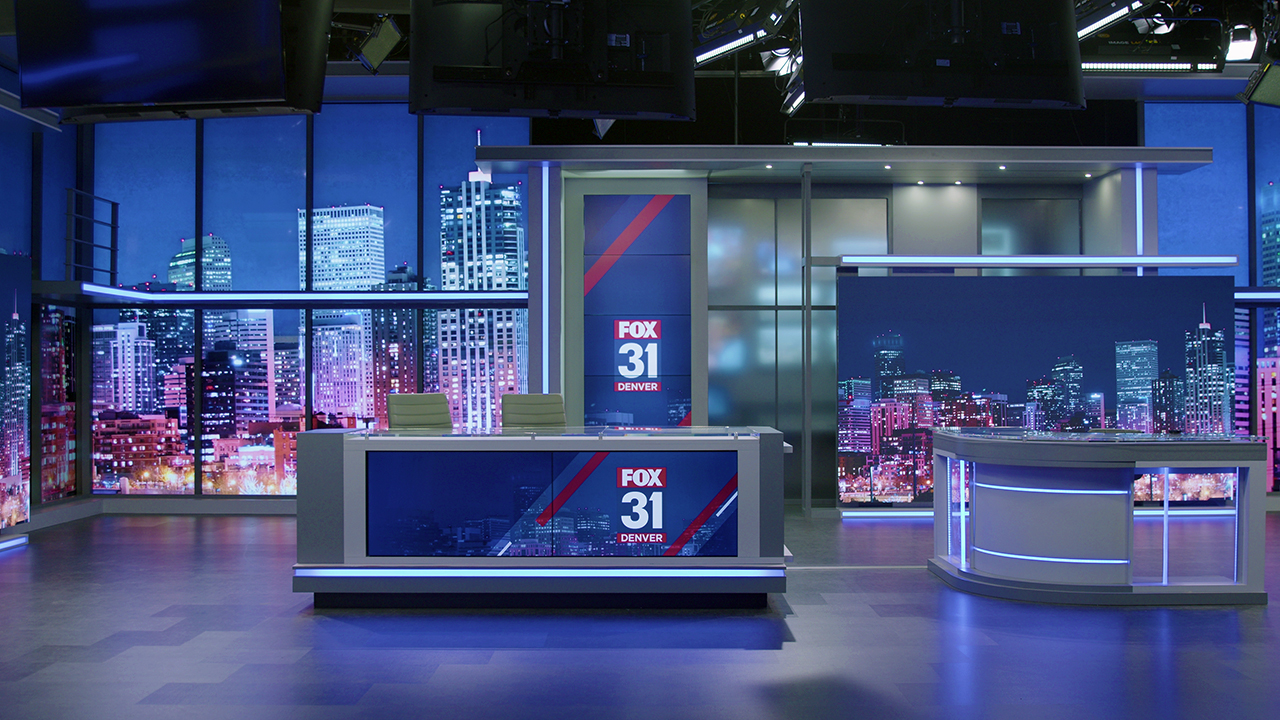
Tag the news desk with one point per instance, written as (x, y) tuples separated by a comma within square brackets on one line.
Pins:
[(1100, 519), (427, 517)]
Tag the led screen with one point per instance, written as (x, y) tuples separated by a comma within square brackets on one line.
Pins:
[(542, 504), (1151, 354), (15, 392), (80, 52), (58, 327)]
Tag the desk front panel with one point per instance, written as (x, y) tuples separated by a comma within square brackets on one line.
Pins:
[(551, 503)]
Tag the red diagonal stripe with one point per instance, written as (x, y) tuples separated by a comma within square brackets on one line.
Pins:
[(545, 516), (703, 516), (687, 420), (623, 241)]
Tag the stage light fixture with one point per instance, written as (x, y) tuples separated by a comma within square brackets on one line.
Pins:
[(751, 23), (378, 43), (1243, 41), (1094, 16)]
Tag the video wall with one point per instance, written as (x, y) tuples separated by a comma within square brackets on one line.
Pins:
[(366, 233), (1075, 354), (15, 391)]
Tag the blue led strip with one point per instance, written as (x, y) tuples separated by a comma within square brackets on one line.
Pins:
[(1187, 512), (334, 572), (1052, 491), (184, 298), (887, 513), (13, 542), (1065, 261), (1038, 558)]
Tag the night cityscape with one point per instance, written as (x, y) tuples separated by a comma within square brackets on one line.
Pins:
[(1077, 377), (251, 385)]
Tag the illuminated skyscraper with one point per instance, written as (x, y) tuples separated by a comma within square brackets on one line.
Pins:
[(347, 248), (890, 363), (288, 356), (15, 455), (1095, 410), (853, 415), (172, 330), (347, 252), (341, 367), (57, 402), (395, 343), (124, 373), (1208, 378), (1044, 394), (1268, 425), (1268, 209), (216, 264), (483, 353), (1136, 368), (249, 336), (1168, 403), (1068, 380)]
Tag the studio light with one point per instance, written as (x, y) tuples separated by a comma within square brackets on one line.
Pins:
[(755, 21), (378, 44), (1243, 41), (1094, 16)]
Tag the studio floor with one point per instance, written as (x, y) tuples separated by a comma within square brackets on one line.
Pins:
[(192, 617)]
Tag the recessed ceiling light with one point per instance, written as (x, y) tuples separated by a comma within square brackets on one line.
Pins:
[(768, 167), (888, 167), (1002, 167), (919, 182), (957, 182), (1088, 175)]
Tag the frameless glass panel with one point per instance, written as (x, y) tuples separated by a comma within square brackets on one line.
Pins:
[(449, 162), (1202, 527), (15, 184), (141, 381), (248, 445), (1204, 211), (149, 168), (58, 174), (254, 184), (740, 251), (1030, 227), (365, 220), (1148, 560), (742, 367), (57, 402), (846, 226)]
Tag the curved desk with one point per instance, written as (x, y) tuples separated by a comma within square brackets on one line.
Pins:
[(422, 516), (1051, 517)]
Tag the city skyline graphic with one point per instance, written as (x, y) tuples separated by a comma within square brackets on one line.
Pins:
[(250, 388), (1146, 354)]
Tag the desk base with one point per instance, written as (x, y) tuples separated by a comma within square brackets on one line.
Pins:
[(1162, 595), (576, 601)]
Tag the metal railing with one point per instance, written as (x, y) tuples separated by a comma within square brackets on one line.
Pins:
[(82, 252)]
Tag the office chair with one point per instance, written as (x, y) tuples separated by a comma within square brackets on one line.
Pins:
[(533, 411), (418, 410)]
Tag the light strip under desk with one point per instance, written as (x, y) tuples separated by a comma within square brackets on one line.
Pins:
[(1051, 491), (1039, 558), (854, 514), (334, 572), (13, 542)]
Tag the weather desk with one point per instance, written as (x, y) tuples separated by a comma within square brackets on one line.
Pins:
[(409, 517), (1100, 518)]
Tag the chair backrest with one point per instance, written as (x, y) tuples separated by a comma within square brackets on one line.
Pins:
[(533, 410), (418, 410)]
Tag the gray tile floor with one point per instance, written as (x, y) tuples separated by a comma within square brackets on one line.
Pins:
[(193, 618)]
